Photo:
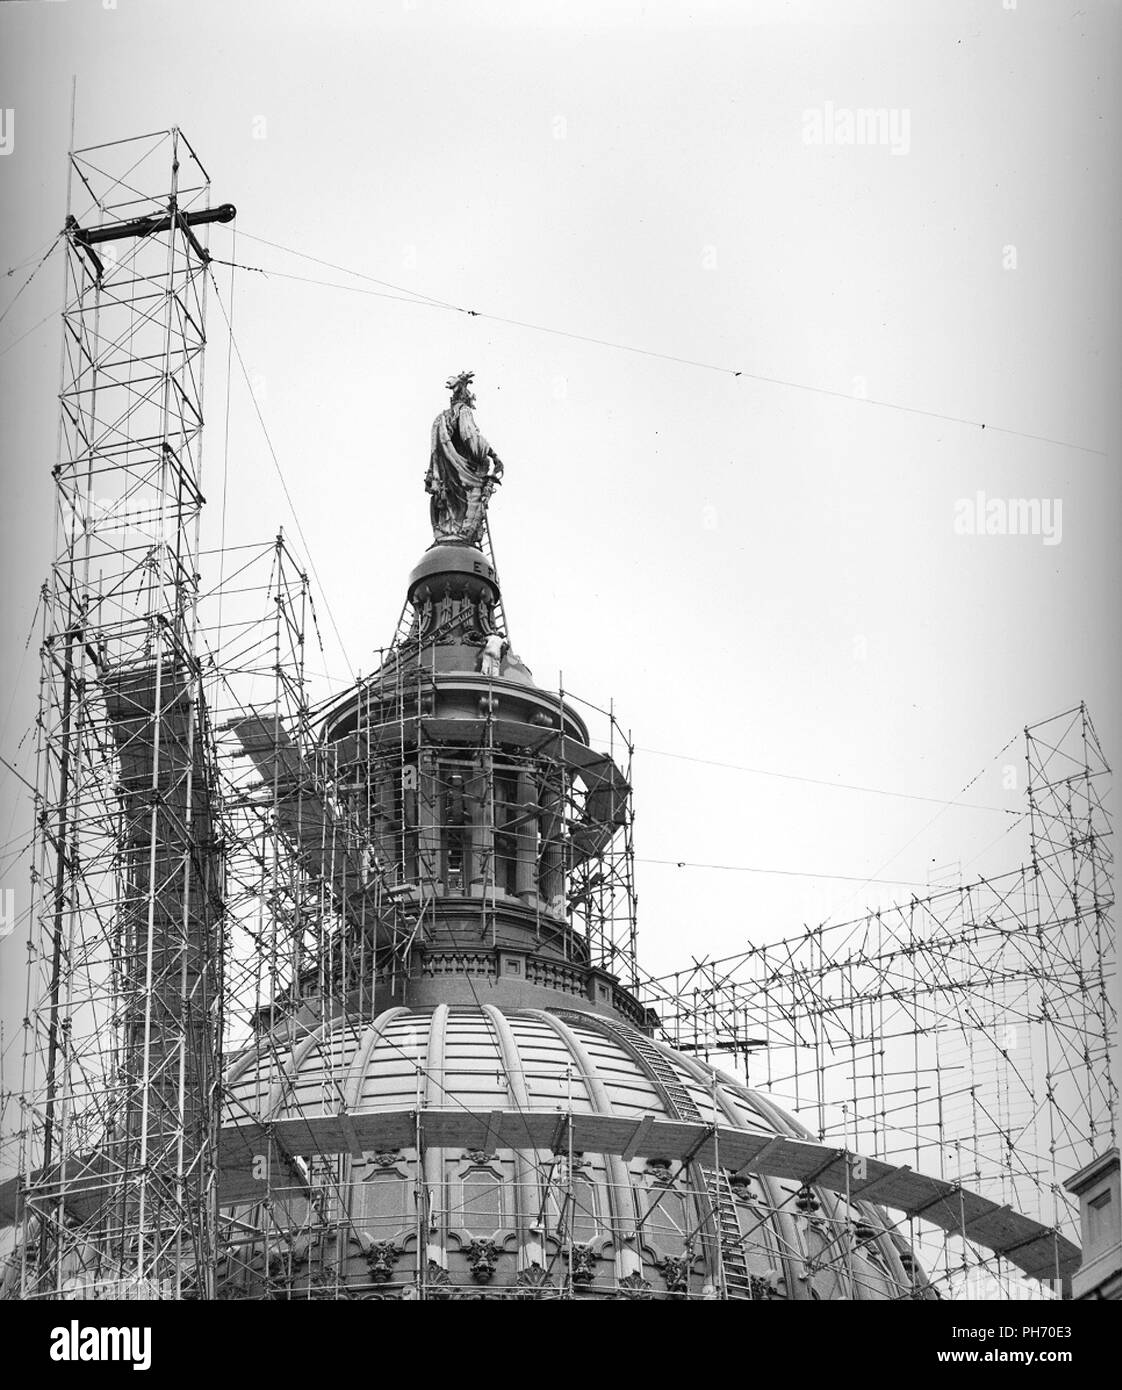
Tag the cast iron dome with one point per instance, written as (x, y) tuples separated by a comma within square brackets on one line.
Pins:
[(505, 1220)]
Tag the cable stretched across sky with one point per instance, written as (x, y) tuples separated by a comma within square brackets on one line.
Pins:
[(403, 294), (825, 782), (15, 298), (784, 873)]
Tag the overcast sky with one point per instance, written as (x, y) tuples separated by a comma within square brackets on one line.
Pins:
[(763, 573)]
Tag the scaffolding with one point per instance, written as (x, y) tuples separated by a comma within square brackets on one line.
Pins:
[(967, 1032), (372, 824), (228, 872), (123, 1020), (345, 822), (373, 808)]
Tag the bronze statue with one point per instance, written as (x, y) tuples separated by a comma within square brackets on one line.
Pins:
[(463, 469)]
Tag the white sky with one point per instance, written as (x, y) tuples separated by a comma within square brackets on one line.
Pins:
[(709, 551)]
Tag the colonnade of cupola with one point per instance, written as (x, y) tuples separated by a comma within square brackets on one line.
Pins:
[(484, 809)]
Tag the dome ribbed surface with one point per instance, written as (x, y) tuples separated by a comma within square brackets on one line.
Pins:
[(536, 1223)]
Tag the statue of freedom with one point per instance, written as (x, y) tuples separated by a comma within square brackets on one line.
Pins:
[(463, 468)]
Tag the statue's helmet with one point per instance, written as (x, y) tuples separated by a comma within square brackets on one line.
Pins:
[(460, 385)]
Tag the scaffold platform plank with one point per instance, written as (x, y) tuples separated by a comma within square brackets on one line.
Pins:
[(1036, 1249)]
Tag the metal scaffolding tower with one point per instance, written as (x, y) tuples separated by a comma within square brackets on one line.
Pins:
[(123, 1027)]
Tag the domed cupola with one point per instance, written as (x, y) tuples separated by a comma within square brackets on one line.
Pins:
[(498, 837), (471, 1102)]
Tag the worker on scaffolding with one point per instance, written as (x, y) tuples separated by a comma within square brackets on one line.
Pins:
[(494, 650)]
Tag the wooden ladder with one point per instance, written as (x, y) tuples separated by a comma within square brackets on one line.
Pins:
[(683, 1106), (487, 546)]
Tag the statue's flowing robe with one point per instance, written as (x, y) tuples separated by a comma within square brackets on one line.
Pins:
[(458, 468)]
